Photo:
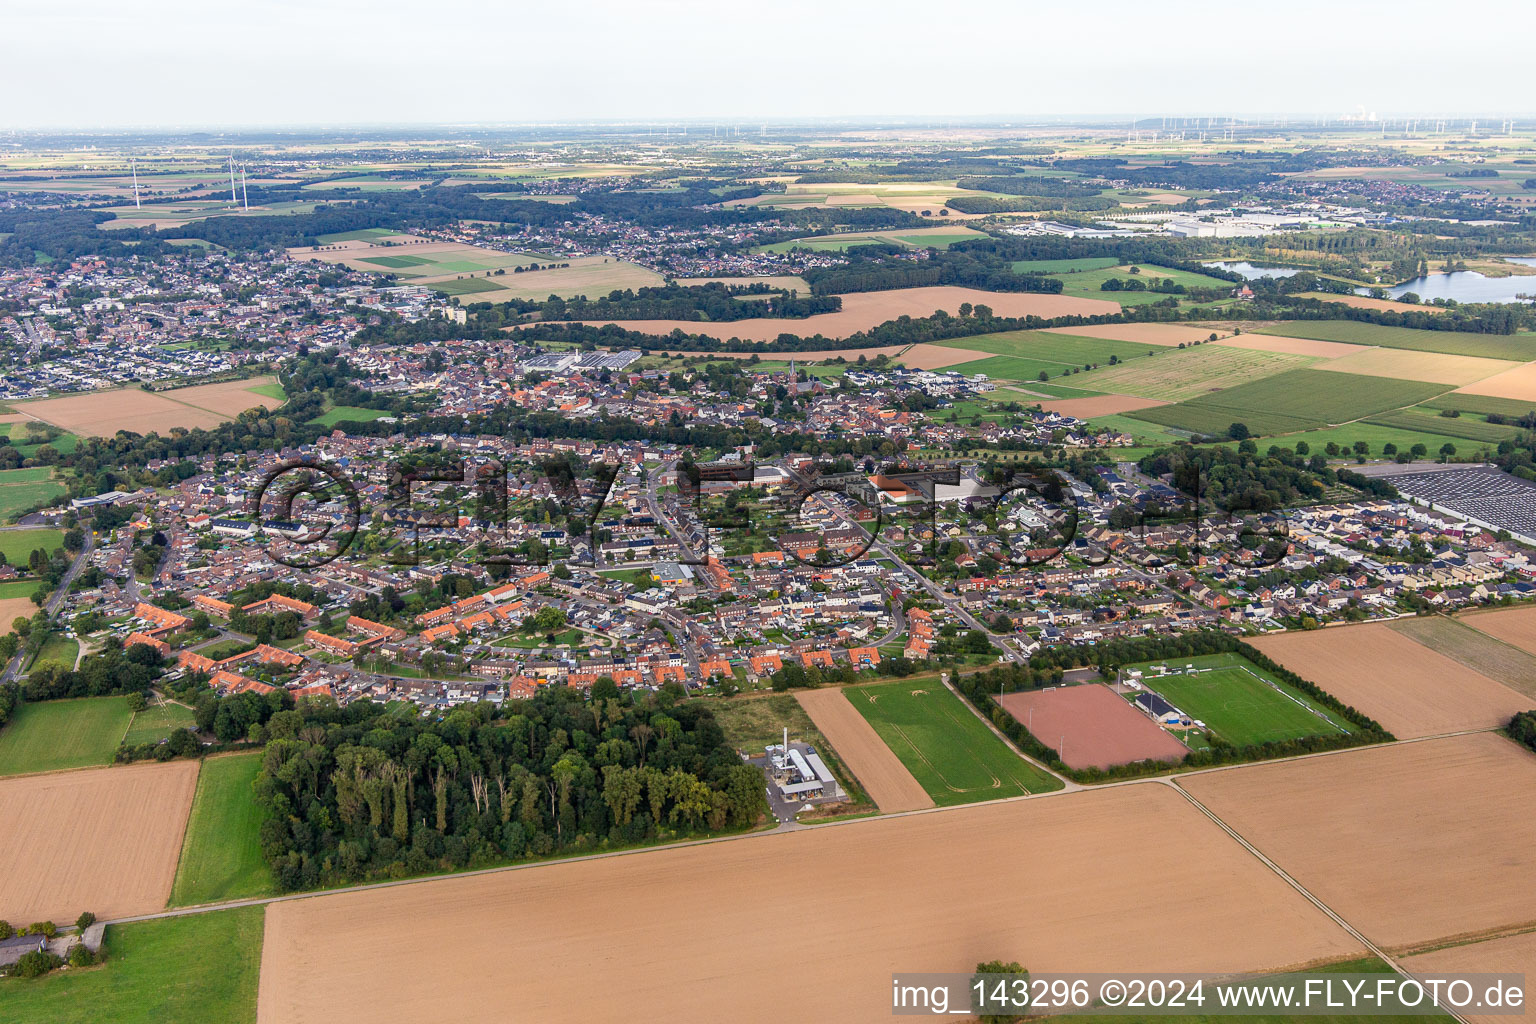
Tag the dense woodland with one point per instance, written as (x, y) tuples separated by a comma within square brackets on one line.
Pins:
[(357, 793)]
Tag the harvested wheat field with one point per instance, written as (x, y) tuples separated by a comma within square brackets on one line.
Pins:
[(1402, 364), (13, 608), (1408, 842), (864, 310), (937, 357), (1512, 954), (1407, 687), (1091, 726), (878, 770), (1364, 302), (685, 933), (101, 839), (1290, 346), (1144, 334), (1102, 405), (1515, 626), (104, 413), (1459, 640), (1519, 384)]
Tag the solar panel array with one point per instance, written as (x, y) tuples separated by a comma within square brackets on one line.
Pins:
[(1482, 493)]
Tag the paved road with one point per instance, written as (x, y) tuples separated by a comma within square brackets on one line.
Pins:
[(13, 667)]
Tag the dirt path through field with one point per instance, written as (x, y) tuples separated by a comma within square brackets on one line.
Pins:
[(879, 771)]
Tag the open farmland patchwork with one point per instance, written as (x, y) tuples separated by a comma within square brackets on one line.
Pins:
[(883, 892), (1407, 841), (1292, 346), (103, 840), (1143, 334), (1517, 384), (1435, 367), (1412, 690), (104, 413), (1292, 400)]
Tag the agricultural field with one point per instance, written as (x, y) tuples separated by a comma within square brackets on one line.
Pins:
[(104, 413), (1292, 346), (57, 650), (1515, 954), (1189, 373), (863, 310), (1434, 367), (1464, 641), (588, 275), (1483, 404), (17, 545), (880, 772), (914, 238), (1242, 703), (954, 756), (1051, 347), (1292, 400), (1515, 626), (48, 735), (189, 211), (1091, 727), (1171, 335), (339, 413), (1407, 841), (334, 959), (912, 196), (221, 853), (1489, 346), (1089, 283), (1101, 408), (1374, 435), (1518, 385), (1064, 266), (1424, 420), (169, 971), (157, 721), (103, 840), (22, 489), (1411, 689)]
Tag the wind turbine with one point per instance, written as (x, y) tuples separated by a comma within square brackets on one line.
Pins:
[(135, 169), (244, 193), (232, 200)]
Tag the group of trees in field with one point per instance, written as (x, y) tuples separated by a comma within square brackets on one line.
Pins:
[(355, 793)]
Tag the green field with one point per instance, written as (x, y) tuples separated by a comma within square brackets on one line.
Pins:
[(273, 390), (1068, 266), (181, 970), (1482, 404), (1240, 702), (157, 722), (1293, 400), (1178, 375), (948, 750), (466, 286), (18, 545), (58, 650), (333, 416), (16, 588), (1069, 349), (1519, 347), (1374, 435), (221, 853), (23, 489), (50, 735), (1473, 428)]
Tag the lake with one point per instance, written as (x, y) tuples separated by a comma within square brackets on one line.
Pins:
[(1468, 286), (1253, 271)]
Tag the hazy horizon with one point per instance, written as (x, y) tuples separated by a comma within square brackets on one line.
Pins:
[(172, 64)]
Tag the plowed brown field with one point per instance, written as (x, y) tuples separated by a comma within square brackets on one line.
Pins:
[(104, 840), (1513, 954), (1127, 879), (878, 770), (1409, 842), (1407, 687)]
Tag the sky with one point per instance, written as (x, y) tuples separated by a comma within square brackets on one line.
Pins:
[(185, 63)]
